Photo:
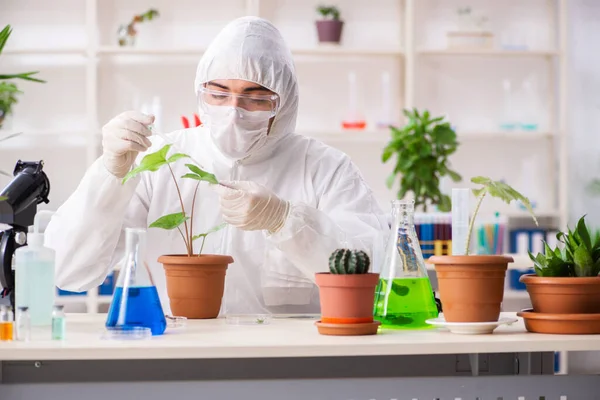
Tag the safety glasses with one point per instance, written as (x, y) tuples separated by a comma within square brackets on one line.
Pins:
[(209, 97)]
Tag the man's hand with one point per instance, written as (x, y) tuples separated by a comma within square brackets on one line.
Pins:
[(250, 206)]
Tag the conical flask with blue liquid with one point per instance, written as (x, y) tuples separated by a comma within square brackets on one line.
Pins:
[(404, 298), (135, 309)]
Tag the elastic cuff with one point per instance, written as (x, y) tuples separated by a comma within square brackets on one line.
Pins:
[(281, 224)]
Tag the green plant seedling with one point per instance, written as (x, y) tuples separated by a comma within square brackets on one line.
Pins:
[(153, 162), (329, 12), (498, 190), (422, 149)]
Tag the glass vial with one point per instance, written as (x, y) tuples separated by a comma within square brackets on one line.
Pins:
[(58, 323), (23, 322), (6, 324)]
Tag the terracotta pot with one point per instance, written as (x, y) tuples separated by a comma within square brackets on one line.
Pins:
[(561, 324), (471, 287), (329, 31), (195, 284), (347, 299), (563, 295)]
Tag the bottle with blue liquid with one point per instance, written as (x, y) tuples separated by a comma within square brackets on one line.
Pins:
[(135, 309)]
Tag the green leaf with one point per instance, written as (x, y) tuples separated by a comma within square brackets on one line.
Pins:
[(445, 204), (444, 135), (2, 198), (177, 156), (389, 182), (387, 154), (584, 234), (200, 175), (212, 230), (455, 176), (150, 162), (583, 262), (480, 180), (170, 221)]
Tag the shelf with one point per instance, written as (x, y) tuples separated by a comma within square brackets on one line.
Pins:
[(116, 50), (104, 299), (350, 136), (71, 299), (45, 51), (486, 52), (334, 50), (510, 294), (512, 135), (44, 138), (538, 213)]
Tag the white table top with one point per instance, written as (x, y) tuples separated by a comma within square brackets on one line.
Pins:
[(280, 338)]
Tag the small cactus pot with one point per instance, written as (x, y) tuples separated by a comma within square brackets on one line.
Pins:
[(347, 299)]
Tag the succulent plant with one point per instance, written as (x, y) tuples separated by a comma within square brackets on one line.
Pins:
[(580, 256), (349, 262)]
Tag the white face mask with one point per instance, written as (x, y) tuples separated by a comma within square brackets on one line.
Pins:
[(237, 132)]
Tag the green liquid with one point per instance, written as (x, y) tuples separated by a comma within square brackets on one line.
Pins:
[(408, 304)]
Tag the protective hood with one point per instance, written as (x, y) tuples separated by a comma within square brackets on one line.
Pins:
[(252, 49)]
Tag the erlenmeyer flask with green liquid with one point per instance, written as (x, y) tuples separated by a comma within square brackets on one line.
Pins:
[(404, 298)]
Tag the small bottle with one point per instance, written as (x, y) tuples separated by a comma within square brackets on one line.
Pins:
[(6, 324), (23, 322), (58, 323)]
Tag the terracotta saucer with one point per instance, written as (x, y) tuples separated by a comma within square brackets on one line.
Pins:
[(562, 324), (348, 329)]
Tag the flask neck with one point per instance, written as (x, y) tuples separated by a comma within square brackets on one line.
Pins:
[(404, 214)]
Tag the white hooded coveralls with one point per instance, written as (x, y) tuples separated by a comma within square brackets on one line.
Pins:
[(331, 205)]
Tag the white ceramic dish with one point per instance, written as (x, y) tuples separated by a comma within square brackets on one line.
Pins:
[(470, 328)]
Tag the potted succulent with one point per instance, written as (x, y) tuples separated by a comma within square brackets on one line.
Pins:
[(9, 90), (347, 294), (329, 29), (472, 286), (566, 280), (195, 281), (422, 149)]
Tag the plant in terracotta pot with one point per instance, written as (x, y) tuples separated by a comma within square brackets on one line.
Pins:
[(347, 294), (195, 281), (566, 280), (472, 286), (329, 29)]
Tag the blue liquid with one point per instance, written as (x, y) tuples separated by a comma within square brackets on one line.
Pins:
[(143, 309)]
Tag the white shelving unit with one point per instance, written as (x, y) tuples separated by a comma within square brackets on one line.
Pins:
[(102, 79)]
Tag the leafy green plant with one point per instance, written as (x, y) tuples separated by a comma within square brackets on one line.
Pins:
[(329, 12), (580, 256), (9, 90), (130, 30), (159, 159), (422, 149), (499, 190), (349, 262)]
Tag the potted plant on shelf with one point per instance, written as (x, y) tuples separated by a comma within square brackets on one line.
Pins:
[(329, 29), (347, 294), (195, 281), (472, 286), (127, 33), (9, 90), (422, 149)]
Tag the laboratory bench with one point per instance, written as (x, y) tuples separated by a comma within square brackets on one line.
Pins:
[(288, 359)]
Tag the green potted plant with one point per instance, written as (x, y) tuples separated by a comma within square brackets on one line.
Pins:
[(347, 294), (195, 281), (566, 280), (422, 149), (9, 90), (472, 286), (329, 28)]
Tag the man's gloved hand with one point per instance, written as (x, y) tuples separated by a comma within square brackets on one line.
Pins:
[(123, 137), (250, 206)]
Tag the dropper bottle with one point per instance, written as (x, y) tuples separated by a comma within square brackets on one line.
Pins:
[(34, 275)]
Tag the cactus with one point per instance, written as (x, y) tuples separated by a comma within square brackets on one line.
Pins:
[(348, 262)]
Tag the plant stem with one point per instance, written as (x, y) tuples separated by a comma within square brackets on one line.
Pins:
[(182, 235), (192, 218), (187, 244), (479, 200)]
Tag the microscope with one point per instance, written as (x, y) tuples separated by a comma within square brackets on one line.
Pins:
[(18, 206)]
